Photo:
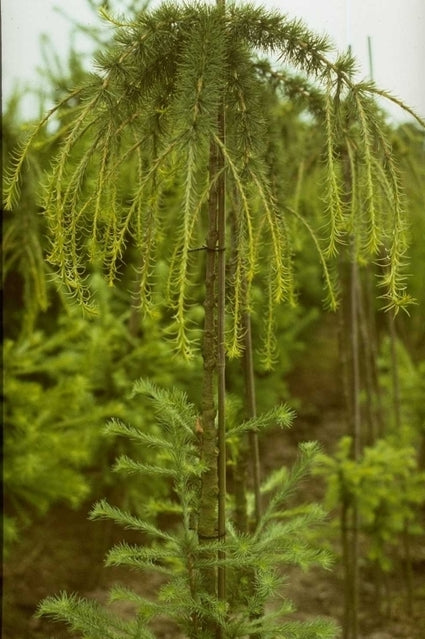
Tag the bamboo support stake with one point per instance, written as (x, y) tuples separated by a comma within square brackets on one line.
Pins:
[(221, 373), (356, 443), (221, 351), (395, 377), (373, 345), (368, 360), (251, 409)]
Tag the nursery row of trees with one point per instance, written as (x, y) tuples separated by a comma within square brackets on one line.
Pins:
[(228, 199)]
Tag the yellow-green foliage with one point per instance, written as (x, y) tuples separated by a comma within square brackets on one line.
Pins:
[(386, 486), (411, 391), (45, 446), (59, 389), (147, 117)]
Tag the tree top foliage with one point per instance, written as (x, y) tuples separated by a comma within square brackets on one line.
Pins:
[(135, 137)]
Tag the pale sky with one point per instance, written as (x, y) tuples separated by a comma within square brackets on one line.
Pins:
[(396, 29)]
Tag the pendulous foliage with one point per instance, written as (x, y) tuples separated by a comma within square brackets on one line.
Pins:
[(149, 111)]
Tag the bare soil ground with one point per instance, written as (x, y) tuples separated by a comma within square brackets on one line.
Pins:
[(64, 551)]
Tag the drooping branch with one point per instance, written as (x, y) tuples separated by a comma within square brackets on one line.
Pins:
[(164, 76)]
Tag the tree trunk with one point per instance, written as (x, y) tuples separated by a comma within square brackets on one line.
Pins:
[(207, 524), (212, 522)]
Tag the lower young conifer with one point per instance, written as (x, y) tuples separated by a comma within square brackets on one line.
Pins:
[(255, 561)]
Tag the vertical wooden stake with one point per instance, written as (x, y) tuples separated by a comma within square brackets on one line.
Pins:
[(356, 443), (221, 349), (251, 409)]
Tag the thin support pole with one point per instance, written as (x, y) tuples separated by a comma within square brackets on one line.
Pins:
[(221, 349), (356, 441), (370, 55), (251, 409), (395, 375), (221, 355)]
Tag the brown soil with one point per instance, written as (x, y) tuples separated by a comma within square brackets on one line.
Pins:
[(64, 551)]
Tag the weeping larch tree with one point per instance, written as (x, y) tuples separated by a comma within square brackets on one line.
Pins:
[(181, 99)]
